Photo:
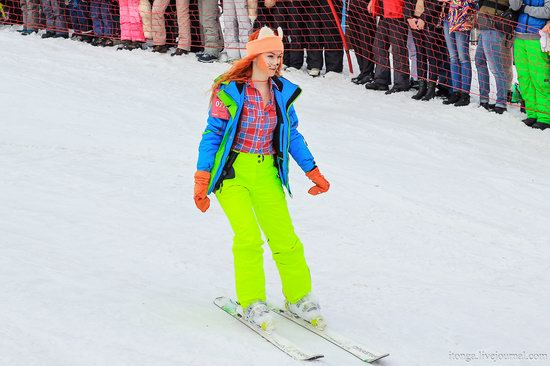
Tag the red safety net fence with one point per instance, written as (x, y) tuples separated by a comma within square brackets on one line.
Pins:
[(460, 47)]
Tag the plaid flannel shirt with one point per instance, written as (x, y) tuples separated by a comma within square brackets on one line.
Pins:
[(258, 121)]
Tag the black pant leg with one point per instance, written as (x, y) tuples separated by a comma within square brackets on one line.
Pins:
[(382, 74), (361, 30), (290, 18), (422, 44), (315, 27), (398, 38), (334, 47)]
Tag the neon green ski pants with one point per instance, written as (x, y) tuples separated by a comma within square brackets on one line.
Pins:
[(254, 200), (533, 68)]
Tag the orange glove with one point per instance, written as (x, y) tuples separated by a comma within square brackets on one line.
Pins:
[(321, 184), (202, 179)]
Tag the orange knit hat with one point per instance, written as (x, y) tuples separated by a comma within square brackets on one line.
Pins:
[(267, 41)]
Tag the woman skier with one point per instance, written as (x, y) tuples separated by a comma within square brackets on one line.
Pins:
[(244, 160)]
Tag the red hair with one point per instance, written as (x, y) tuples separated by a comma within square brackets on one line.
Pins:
[(240, 72)]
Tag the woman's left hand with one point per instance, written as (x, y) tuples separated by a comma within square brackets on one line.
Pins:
[(321, 184)]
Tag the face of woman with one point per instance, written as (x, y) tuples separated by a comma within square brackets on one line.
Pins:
[(269, 62)]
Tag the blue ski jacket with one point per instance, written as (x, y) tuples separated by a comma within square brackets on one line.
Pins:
[(217, 138)]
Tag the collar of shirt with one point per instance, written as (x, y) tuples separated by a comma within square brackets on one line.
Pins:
[(252, 90)]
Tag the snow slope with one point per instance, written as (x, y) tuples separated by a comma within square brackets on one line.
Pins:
[(433, 239)]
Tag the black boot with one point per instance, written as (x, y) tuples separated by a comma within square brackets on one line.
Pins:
[(430, 91), (463, 101), (453, 98), (529, 121), (363, 78), (161, 48), (48, 34), (499, 110), (397, 89), (442, 91), (97, 41), (375, 86), (540, 125), (107, 42), (487, 106), (422, 89), (125, 45), (179, 52)]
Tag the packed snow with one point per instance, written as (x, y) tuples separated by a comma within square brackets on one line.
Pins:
[(433, 241)]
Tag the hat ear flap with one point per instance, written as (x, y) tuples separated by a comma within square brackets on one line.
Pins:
[(265, 32)]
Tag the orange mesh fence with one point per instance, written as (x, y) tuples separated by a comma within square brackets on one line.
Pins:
[(459, 45)]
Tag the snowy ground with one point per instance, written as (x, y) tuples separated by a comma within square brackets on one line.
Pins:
[(433, 239)]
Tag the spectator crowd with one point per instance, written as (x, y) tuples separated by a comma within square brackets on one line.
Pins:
[(399, 44)]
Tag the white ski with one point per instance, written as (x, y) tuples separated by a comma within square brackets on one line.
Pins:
[(282, 343), (350, 346)]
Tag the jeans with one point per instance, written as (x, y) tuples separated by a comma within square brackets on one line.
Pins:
[(101, 18), (78, 17), (492, 50), (458, 45), (55, 17)]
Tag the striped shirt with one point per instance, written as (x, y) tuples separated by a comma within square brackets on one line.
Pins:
[(258, 121)]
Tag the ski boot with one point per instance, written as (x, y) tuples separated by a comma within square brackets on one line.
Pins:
[(258, 314), (308, 309)]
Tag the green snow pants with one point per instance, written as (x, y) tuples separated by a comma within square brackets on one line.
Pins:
[(533, 67), (254, 199)]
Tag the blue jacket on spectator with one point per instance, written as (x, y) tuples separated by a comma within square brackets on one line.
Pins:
[(533, 14)]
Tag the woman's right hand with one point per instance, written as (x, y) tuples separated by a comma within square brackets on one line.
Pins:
[(202, 179)]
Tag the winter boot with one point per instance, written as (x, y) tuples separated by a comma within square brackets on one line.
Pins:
[(107, 42), (137, 45), (430, 91), (48, 34), (397, 89), (258, 314), (207, 58), (463, 101), (529, 121), (453, 98), (540, 125), (499, 110), (314, 72), (179, 52), (363, 78), (414, 84), (422, 89), (487, 106), (161, 48), (375, 86), (97, 41), (26, 32), (442, 91), (308, 309)]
